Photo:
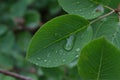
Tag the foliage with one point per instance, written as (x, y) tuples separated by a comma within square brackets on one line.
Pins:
[(81, 45)]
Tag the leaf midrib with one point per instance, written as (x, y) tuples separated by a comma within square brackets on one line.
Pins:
[(100, 65), (79, 29)]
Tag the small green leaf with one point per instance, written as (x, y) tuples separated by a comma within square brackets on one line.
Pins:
[(85, 8), (108, 27), (99, 60), (32, 19), (47, 47)]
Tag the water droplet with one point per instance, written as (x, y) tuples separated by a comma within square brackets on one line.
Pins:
[(45, 60), (99, 8), (70, 42), (78, 49)]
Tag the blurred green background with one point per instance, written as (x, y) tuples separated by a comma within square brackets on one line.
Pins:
[(19, 20)]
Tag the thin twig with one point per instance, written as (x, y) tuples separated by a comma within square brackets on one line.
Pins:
[(14, 75), (101, 17), (109, 8)]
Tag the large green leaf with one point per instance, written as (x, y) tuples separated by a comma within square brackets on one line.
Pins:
[(111, 3), (59, 41), (85, 8), (99, 60), (109, 27)]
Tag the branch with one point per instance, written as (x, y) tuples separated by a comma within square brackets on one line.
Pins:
[(101, 17), (14, 75)]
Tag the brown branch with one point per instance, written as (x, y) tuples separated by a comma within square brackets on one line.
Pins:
[(14, 75), (101, 17)]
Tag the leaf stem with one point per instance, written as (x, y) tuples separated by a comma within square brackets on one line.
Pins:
[(101, 17), (14, 75), (109, 8)]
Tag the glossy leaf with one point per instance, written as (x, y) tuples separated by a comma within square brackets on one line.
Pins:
[(85, 8), (108, 27), (99, 60), (59, 41)]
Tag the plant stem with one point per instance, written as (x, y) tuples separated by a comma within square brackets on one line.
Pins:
[(14, 75), (101, 17), (109, 8)]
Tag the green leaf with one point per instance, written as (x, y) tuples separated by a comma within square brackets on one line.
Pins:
[(23, 39), (111, 3), (40, 4), (54, 7), (6, 61), (108, 27), (85, 8), (3, 29), (73, 74), (53, 73), (7, 42), (58, 41), (8, 78), (32, 19), (30, 75), (18, 9), (99, 60)]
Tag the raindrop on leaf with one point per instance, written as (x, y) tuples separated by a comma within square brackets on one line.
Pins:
[(70, 42)]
